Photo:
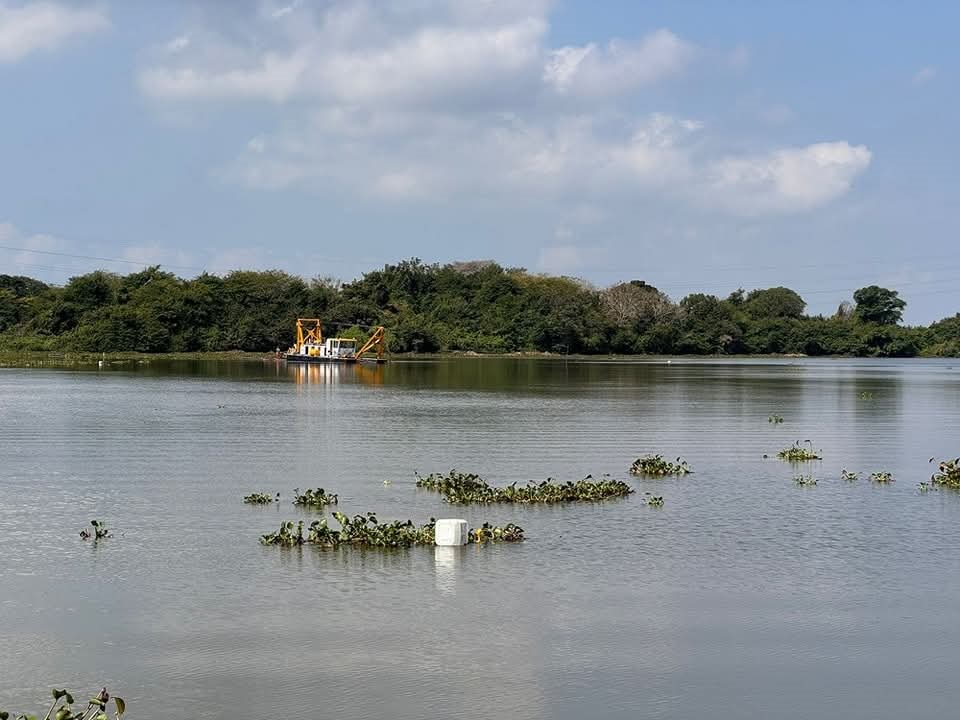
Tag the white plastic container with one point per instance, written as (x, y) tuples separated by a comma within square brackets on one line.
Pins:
[(451, 532)]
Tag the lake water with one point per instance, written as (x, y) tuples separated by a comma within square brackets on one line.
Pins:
[(745, 596)]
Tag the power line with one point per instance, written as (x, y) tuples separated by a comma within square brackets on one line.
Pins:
[(99, 259)]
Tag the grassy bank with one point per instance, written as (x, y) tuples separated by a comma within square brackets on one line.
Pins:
[(77, 359)]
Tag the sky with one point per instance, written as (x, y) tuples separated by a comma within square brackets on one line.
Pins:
[(700, 146)]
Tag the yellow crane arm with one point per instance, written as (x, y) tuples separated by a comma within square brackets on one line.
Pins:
[(376, 341)]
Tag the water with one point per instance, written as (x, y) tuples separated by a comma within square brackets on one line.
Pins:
[(744, 596)]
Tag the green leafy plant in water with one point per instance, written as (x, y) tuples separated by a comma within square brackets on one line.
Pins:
[(314, 498), (798, 453), (489, 533), (866, 396), (775, 419), (882, 477), (63, 708), (289, 535), (925, 486), (805, 480), (466, 488), (99, 531), (947, 474), (654, 500), (657, 466), (849, 476), (368, 531), (260, 498)]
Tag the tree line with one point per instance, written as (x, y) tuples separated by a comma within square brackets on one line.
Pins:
[(472, 306)]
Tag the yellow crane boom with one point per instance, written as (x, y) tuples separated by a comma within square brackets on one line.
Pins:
[(377, 340)]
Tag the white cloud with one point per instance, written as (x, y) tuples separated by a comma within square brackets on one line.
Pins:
[(618, 67), (924, 75), (348, 57), (439, 99), (38, 26), (787, 180), (28, 254)]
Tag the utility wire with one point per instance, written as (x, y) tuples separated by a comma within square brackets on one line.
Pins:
[(99, 259)]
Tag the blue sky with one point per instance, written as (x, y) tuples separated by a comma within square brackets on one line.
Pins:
[(696, 145)]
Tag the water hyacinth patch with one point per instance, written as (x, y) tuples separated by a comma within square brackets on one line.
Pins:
[(947, 474), (367, 531), (260, 499), (654, 500), (849, 476), (314, 498), (882, 477), (798, 453), (466, 488), (63, 708), (805, 480), (657, 466), (775, 419)]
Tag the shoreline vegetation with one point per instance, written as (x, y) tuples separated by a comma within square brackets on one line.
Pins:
[(49, 358), (466, 308)]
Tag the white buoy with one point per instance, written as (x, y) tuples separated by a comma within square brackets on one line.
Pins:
[(451, 532)]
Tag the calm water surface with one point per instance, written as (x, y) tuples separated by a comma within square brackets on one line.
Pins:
[(745, 596)]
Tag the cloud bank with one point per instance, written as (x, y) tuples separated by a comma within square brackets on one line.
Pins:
[(31, 27), (434, 99)]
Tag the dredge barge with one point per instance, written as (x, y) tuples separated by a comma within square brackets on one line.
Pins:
[(311, 347)]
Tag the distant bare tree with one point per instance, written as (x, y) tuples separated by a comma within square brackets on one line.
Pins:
[(468, 267), (327, 282), (844, 311), (636, 302)]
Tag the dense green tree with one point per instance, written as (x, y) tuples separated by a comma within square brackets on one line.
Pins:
[(878, 305), (776, 302), (465, 306), (707, 326), (22, 286), (10, 309)]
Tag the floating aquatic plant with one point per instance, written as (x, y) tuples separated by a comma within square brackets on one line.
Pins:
[(805, 480), (99, 532), (314, 498), (367, 531), (657, 466), (882, 477), (775, 419), (260, 499), (490, 533), (848, 475), (947, 474), (924, 486), (798, 453), (63, 708), (654, 500), (866, 396), (465, 488)]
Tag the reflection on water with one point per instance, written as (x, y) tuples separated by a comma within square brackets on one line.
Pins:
[(330, 373), (445, 565), (744, 596)]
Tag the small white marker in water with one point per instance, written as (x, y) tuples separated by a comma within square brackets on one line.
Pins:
[(451, 532)]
